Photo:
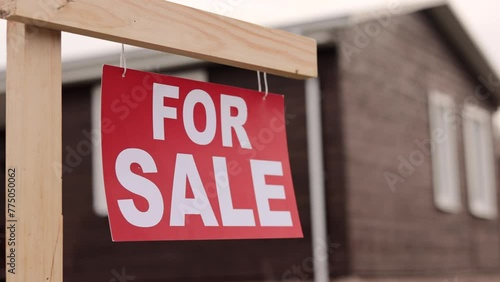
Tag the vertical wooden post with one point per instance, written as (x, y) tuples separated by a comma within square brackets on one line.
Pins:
[(33, 145)]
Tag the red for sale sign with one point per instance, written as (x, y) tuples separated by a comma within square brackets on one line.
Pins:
[(188, 160)]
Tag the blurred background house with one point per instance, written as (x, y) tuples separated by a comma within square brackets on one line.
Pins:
[(403, 107)]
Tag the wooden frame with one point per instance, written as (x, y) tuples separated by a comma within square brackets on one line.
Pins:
[(444, 153), (33, 137), (33, 145)]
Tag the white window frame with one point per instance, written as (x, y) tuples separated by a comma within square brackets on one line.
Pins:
[(98, 194), (479, 162), (444, 136)]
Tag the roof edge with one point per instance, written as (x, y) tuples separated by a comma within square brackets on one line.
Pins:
[(453, 30)]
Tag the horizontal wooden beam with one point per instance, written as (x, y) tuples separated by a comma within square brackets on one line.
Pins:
[(169, 27)]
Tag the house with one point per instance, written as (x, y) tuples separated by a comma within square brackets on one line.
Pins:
[(407, 162)]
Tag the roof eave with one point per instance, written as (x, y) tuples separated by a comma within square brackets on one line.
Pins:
[(450, 26)]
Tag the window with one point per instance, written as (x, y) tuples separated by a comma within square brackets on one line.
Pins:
[(443, 134), (479, 162), (99, 197)]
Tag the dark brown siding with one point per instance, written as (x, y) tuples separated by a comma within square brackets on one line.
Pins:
[(384, 104)]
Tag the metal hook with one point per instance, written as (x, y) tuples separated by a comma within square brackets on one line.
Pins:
[(123, 61)]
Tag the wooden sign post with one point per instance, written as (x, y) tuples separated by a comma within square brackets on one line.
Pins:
[(33, 145)]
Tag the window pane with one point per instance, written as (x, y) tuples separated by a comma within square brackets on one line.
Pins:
[(444, 157), (480, 165)]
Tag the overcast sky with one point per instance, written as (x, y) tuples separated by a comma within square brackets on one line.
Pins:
[(481, 18)]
